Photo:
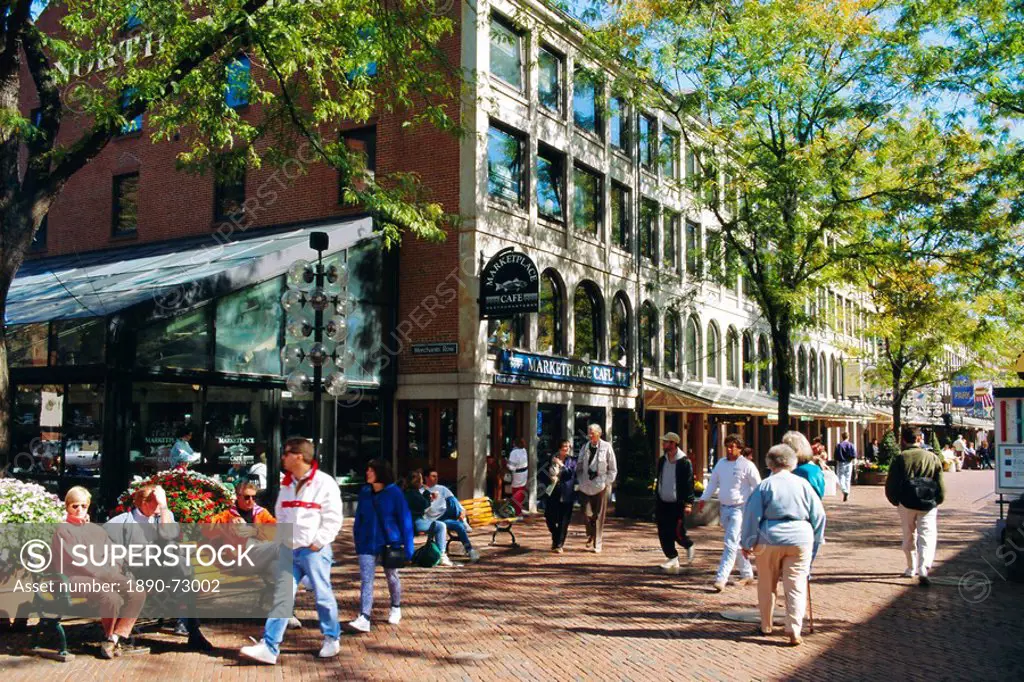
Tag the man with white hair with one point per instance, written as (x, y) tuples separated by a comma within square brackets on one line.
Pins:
[(734, 478), (595, 473)]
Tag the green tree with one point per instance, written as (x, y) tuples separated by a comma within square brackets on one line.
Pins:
[(808, 110), (313, 65), (888, 449)]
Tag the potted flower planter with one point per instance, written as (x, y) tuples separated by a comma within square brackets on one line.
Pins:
[(872, 477)]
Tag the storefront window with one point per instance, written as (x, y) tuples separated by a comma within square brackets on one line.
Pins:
[(181, 342), (449, 432), (587, 320), (358, 435), (503, 334), (27, 344), (159, 412), (620, 328), (238, 430), (80, 342), (36, 432), (549, 320), (83, 450), (550, 430), (583, 418), (417, 438), (249, 330)]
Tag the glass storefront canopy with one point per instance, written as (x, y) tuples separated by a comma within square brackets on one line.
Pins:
[(169, 276)]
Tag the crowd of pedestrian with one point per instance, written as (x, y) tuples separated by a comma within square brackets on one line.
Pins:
[(775, 524)]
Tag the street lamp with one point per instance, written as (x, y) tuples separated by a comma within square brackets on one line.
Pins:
[(314, 343)]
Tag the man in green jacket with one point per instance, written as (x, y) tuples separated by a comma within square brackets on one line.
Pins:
[(914, 486)]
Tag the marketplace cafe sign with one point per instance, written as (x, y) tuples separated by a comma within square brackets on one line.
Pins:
[(562, 369)]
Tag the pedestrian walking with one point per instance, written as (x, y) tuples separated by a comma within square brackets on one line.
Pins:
[(310, 501), (518, 474), (561, 494), (806, 468), (734, 477), (845, 455), (673, 500), (595, 473), (383, 535), (783, 524), (914, 486)]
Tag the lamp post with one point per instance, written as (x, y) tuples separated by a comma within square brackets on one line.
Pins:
[(313, 343)]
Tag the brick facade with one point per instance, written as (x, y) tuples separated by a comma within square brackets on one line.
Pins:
[(174, 204)]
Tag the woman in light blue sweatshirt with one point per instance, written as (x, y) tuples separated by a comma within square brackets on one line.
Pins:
[(783, 524)]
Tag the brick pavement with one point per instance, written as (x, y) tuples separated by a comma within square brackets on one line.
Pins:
[(528, 614)]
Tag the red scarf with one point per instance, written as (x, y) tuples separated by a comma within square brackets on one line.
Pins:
[(76, 521), (288, 479)]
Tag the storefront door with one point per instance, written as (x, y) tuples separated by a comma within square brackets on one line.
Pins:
[(508, 424), (427, 432), (584, 417)]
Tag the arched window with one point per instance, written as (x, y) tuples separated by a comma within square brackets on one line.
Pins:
[(714, 351), (813, 372), (587, 318), (621, 324), (550, 328), (648, 335), (842, 379), (504, 334), (823, 376), (732, 351), (764, 360), (835, 377), (801, 371), (671, 366), (691, 347), (748, 360)]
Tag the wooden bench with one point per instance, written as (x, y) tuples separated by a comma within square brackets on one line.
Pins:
[(482, 511)]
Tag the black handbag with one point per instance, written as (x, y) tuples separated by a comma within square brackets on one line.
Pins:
[(393, 556)]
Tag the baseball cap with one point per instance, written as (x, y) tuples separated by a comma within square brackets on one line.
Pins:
[(674, 437)]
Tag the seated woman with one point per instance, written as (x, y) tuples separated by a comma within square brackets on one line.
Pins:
[(119, 609), (783, 525)]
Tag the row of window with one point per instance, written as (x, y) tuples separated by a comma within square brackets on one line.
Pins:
[(590, 113), (507, 182), (689, 351)]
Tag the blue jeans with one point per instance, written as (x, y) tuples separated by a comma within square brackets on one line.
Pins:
[(317, 566), (451, 519), (731, 518), (844, 472), (423, 526)]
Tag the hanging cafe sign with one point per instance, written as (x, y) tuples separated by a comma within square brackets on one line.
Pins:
[(509, 285), (562, 369)]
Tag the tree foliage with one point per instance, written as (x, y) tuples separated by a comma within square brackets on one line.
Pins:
[(811, 109), (314, 64)]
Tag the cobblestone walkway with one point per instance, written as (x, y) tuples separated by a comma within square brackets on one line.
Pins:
[(527, 614)]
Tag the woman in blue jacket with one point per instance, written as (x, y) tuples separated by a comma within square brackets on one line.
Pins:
[(382, 520)]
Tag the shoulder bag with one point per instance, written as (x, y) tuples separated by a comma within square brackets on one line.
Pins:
[(393, 555)]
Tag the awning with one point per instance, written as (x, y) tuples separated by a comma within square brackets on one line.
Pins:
[(169, 275), (701, 398), (803, 406)]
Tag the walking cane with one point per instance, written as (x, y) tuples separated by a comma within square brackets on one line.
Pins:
[(810, 608)]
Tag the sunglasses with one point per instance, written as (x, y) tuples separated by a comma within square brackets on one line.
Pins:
[(78, 506), (247, 497)]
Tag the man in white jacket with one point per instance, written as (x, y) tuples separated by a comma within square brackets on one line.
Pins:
[(311, 502), (734, 477), (595, 473)]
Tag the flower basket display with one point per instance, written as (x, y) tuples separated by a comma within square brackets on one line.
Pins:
[(873, 475), (23, 502), (191, 496)]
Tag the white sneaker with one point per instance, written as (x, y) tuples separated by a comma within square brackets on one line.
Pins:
[(259, 652), (395, 617), (360, 624), (294, 623), (670, 565), (910, 573), (445, 561), (474, 556), (330, 649), (923, 578), (691, 552)]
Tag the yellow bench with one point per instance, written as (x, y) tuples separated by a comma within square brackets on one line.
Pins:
[(480, 511)]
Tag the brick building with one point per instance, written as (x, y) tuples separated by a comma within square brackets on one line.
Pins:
[(591, 191)]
